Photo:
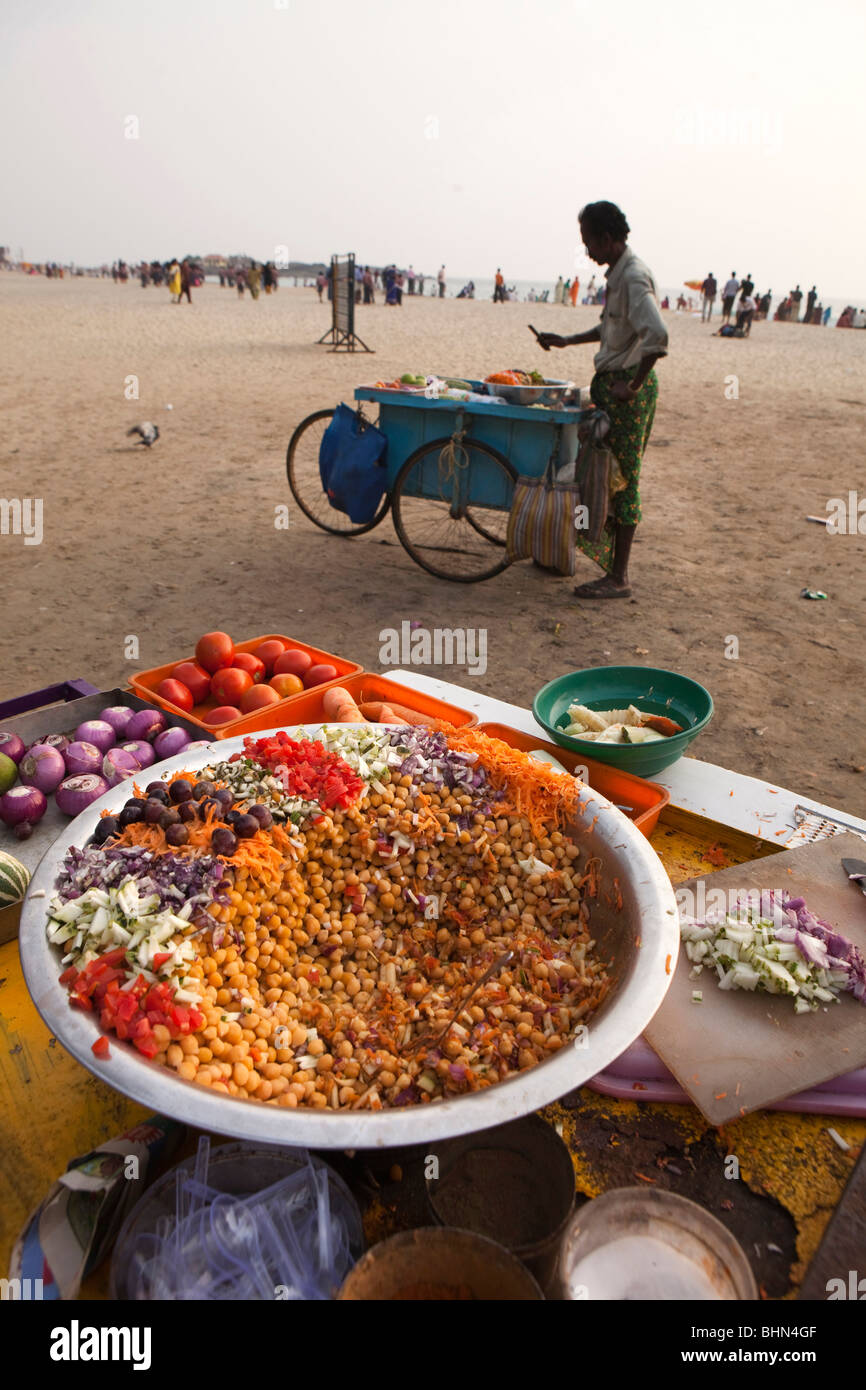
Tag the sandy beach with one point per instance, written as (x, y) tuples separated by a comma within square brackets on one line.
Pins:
[(166, 544)]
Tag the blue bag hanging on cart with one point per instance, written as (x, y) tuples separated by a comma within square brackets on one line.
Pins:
[(352, 465)]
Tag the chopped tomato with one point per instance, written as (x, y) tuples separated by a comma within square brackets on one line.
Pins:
[(100, 1048), (306, 769), (160, 958)]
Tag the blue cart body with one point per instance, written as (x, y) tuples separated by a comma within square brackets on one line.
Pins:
[(528, 437)]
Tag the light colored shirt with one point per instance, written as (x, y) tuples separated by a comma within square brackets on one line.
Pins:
[(631, 325), (730, 289)]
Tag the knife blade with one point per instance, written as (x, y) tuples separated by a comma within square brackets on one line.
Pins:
[(856, 871)]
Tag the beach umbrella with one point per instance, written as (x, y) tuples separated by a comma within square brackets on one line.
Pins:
[(693, 284)]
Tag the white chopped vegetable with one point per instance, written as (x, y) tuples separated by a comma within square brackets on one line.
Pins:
[(837, 1139), (697, 996), (744, 949)]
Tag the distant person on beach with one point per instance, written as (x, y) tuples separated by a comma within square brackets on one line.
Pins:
[(729, 294), (764, 307), (632, 337), (240, 281), (558, 291), (254, 279), (795, 296), (321, 282), (709, 290), (369, 297), (420, 284), (441, 278), (174, 281), (410, 280), (810, 303), (747, 286), (499, 287), (185, 282)]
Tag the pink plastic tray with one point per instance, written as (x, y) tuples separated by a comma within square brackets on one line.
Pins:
[(639, 1074)]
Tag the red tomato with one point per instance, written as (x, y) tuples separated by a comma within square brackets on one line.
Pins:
[(269, 651), (258, 697), (229, 684), (286, 684), (195, 678), (293, 661), (100, 1048), (245, 661), (214, 650), (317, 675), (176, 693), (223, 714)]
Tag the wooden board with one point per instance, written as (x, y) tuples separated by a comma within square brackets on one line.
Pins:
[(737, 1050)]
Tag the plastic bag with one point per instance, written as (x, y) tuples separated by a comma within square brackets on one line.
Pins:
[(351, 465)]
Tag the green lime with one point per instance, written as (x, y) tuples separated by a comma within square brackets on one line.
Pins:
[(8, 773)]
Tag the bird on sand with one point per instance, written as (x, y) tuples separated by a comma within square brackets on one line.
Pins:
[(147, 432)]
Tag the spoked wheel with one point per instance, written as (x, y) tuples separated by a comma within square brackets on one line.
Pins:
[(451, 503), (302, 467)]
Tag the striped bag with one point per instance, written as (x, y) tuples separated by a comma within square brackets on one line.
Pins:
[(541, 523)]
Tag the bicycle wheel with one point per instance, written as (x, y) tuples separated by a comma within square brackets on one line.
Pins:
[(451, 509), (302, 469)]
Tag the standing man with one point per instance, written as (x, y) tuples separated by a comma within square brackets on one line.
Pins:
[(746, 287), (709, 289), (796, 296), (410, 279), (441, 278), (729, 294), (633, 336), (420, 284), (499, 287), (810, 303)]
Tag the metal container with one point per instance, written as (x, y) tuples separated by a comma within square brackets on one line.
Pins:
[(439, 1262), (634, 1243), (635, 925), (514, 1184)]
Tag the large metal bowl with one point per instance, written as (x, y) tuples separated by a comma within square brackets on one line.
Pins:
[(542, 393), (640, 939)]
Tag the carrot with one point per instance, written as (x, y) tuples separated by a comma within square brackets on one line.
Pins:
[(540, 793), (337, 704)]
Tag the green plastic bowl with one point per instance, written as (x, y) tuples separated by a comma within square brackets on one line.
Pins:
[(614, 687)]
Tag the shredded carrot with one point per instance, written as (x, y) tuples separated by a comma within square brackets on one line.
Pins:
[(667, 965), (721, 1095), (544, 796)]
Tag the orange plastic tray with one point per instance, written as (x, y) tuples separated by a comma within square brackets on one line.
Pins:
[(144, 683), (306, 708), (642, 801)]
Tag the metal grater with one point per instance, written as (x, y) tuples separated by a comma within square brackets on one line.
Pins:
[(814, 825)]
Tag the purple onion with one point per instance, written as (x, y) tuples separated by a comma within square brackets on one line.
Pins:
[(22, 804), (42, 767), (82, 758), (76, 793), (13, 746), (171, 741), (117, 765), (146, 723), (141, 751), (96, 731), (58, 741), (118, 716)]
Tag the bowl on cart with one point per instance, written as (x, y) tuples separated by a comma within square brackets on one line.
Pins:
[(650, 688), (541, 393), (635, 925)]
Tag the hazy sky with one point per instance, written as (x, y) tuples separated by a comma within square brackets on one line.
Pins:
[(464, 131)]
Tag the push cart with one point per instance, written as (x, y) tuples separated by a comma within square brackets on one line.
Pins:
[(450, 467)]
